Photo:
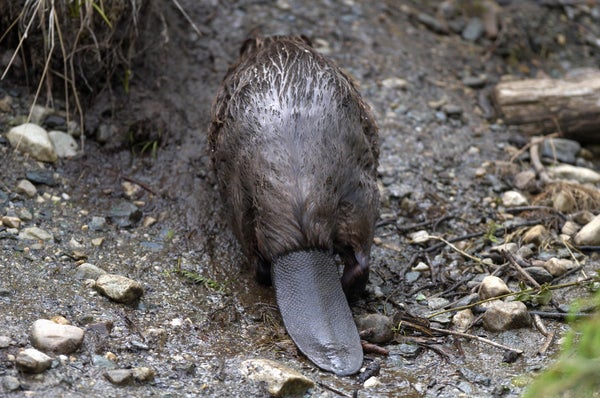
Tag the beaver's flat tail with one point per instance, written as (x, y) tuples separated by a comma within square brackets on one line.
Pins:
[(315, 311)]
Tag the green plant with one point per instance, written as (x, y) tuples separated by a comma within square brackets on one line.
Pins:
[(576, 373)]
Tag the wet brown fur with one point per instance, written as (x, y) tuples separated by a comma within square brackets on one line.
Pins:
[(295, 150)]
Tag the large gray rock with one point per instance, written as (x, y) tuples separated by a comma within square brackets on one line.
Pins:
[(33, 361), (119, 288), (281, 381), (49, 336), (32, 139)]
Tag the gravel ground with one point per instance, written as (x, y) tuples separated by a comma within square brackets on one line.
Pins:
[(444, 168)]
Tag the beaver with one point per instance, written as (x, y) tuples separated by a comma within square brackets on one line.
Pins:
[(295, 148)]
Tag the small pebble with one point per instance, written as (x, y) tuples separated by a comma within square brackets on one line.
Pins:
[(559, 266), (119, 376), (503, 316), (474, 29), (35, 233), (143, 374), (492, 286), (561, 149), (463, 319), (88, 271), (10, 383), (27, 188), (33, 361), (513, 198), (539, 274), (119, 288), (41, 176)]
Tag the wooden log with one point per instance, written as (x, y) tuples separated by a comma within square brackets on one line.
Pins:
[(570, 106)]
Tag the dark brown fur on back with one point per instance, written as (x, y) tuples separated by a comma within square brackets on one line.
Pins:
[(295, 151)]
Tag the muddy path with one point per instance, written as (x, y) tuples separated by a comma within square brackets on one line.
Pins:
[(194, 335)]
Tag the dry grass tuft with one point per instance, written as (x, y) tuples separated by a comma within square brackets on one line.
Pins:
[(74, 47), (569, 197)]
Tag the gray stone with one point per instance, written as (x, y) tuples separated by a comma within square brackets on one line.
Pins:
[(474, 81), (503, 316), (35, 233), (561, 149), (559, 266), (379, 327), (33, 361), (88, 271), (452, 110), (64, 144), (4, 341), (281, 381), (525, 180), (432, 23), (437, 303), (119, 288), (33, 140), (539, 274), (125, 214), (41, 176), (27, 188), (97, 224), (492, 286), (10, 383), (473, 30), (589, 235), (119, 376), (53, 337)]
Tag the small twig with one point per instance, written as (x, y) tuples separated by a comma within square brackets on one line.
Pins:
[(187, 17), (374, 348), (534, 153), (478, 338), (141, 184), (561, 316), (519, 269), (333, 389), (519, 209), (465, 254), (526, 291)]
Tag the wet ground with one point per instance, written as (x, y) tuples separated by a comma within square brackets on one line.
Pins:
[(428, 162)]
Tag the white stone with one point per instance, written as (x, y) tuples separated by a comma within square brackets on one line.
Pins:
[(64, 144), (27, 188), (558, 266), (492, 286), (32, 139), (463, 319), (513, 198), (50, 336), (119, 288), (281, 381), (580, 174), (589, 235)]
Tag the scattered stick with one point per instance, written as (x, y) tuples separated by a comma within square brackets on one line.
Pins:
[(333, 389), (534, 152), (519, 269), (478, 338), (374, 348)]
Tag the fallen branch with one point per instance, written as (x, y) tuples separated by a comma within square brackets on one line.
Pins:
[(478, 338)]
